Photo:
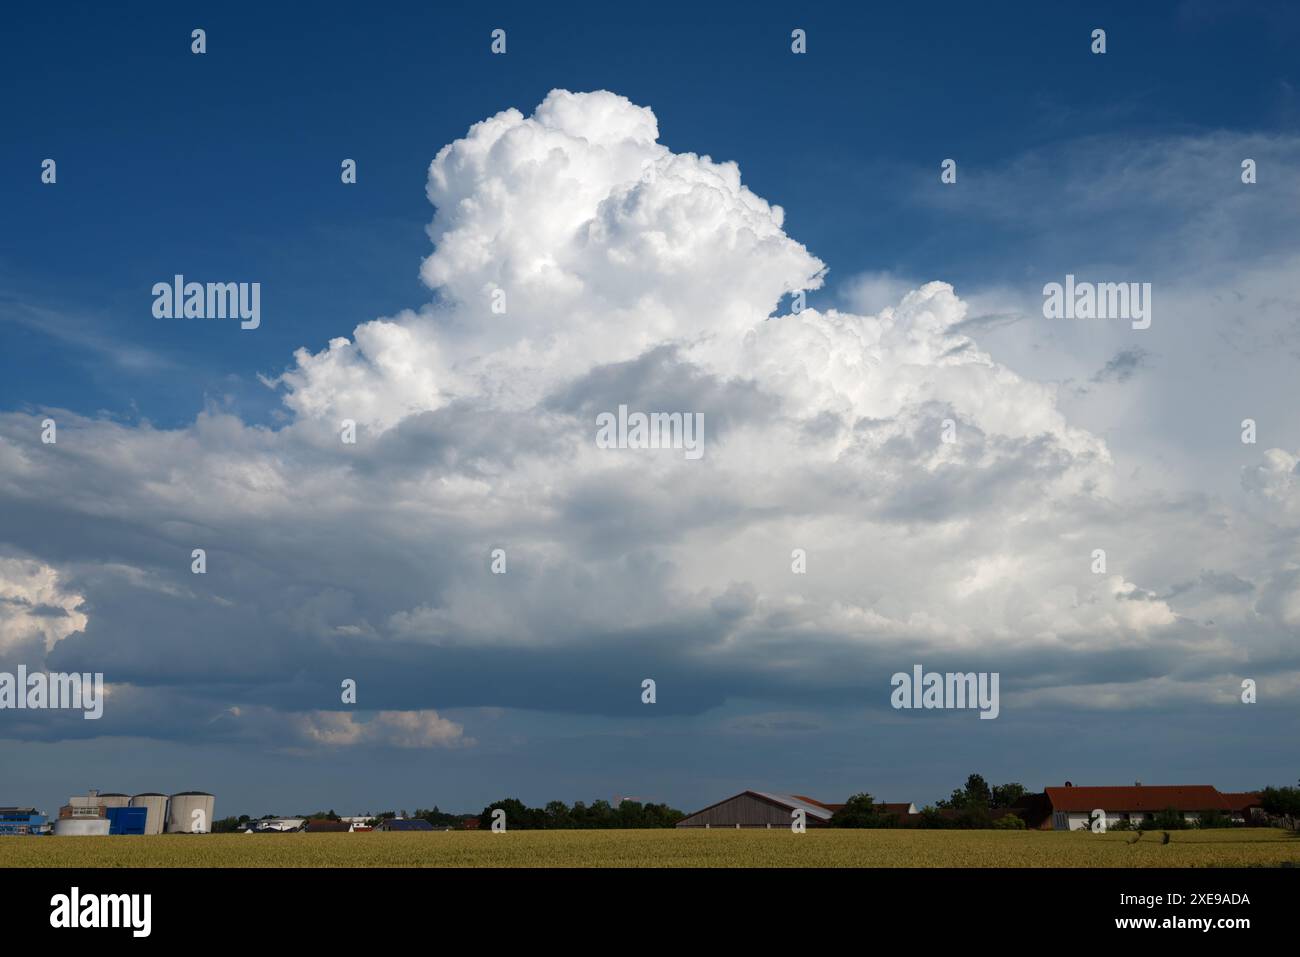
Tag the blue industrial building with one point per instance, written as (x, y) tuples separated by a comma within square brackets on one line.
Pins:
[(126, 820), (22, 820)]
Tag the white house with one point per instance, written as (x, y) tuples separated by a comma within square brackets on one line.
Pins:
[(278, 824), (1072, 808)]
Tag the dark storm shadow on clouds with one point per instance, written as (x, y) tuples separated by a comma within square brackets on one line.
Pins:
[(659, 381), (599, 675), (466, 438), (245, 646), (896, 756)]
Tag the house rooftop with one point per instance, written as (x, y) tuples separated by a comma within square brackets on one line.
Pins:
[(322, 824), (1241, 800), (1138, 797), (403, 824), (793, 802)]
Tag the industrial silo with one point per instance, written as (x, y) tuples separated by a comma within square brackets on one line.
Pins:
[(81, 826), (114, 799), (157, 805), (190, 812)]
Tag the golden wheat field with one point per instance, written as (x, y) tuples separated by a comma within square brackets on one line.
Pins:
[(666, 848)]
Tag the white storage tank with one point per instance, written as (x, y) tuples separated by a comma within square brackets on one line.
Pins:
[(114, 799), (190, 812), (156, 803), (81, 827)]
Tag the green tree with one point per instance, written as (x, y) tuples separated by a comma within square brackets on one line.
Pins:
[(974, 817), (558, 815), (661, 815), (1282, 801), (1006, 795), (860, 810), (321, 816), (519, 816), (1170, 819), (630, 814), (931, 818), (975, 794), (600, 814), (1213, 819), (437, 817)]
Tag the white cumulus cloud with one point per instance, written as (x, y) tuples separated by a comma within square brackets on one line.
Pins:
[(633, 275)]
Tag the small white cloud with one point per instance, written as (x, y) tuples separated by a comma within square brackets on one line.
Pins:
[(396, 729)]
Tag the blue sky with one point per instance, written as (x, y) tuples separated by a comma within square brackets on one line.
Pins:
[(225, 167), (228, 163)]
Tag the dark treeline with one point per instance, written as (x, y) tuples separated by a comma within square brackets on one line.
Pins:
[(519, 817), (558, 816), (1281, 802), (977, 805)]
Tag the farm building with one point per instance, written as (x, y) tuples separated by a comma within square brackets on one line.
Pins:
[(1243, 805), (276, 825), (766, 809), (759, 809), (325, 826), (1073, 807)]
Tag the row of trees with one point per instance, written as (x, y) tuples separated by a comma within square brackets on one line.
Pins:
[(861, 810), (976, 805), (978, 794), (519, 817), (1282, 802), (599, 814)]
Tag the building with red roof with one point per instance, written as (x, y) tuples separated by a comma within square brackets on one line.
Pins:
[(1072, 808)]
